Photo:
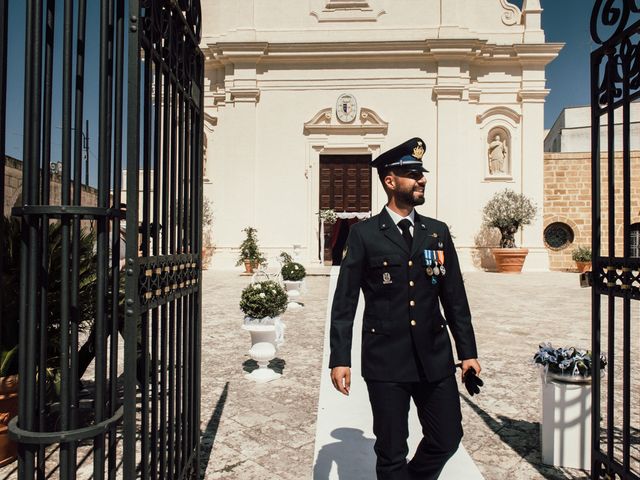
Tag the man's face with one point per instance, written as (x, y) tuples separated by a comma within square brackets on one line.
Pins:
[(409, 187)]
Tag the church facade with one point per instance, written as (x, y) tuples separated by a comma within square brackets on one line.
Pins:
[(300, 95)]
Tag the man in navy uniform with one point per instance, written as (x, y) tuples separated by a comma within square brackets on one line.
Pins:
[(406, 266)]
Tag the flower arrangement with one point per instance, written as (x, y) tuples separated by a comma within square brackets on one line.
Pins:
[(581, 254), (293, 272), (567, 362), (508, 211), (249, 248), (263, 299), (328, 216)]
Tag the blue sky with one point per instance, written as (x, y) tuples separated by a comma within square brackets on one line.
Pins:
[(565, 21)]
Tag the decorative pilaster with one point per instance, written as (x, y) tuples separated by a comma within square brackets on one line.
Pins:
[(531, 19)]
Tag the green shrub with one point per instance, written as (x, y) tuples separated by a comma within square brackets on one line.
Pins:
[(249, 248), (581, 254), (293, 272), (263, 299)]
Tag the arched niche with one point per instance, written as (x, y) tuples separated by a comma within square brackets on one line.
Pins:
[(499, 155), (498, 152)]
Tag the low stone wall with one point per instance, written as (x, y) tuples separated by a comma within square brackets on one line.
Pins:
[(13, 187)]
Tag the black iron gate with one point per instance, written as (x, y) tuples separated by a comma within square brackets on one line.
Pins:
[(115, 254), (615, 84)]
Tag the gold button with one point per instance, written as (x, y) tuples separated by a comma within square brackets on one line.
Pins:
[(373, 330), (411, 284), (412, 303), (411, 263), (413, 323), (385, 263)]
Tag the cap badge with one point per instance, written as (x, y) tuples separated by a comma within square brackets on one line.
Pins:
[(418, 151)]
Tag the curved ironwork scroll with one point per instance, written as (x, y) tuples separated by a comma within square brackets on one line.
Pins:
[(618, 57), (611, 16)]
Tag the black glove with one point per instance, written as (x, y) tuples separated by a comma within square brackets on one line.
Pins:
[(472, 382)]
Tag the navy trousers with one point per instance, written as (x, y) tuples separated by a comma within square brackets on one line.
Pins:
[(438, 406)]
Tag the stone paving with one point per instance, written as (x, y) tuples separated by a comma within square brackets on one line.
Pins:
[(259, 431), (266, 431)]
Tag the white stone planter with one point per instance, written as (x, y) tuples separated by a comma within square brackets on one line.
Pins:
[(292, 287), (267, 334), (565, 431)]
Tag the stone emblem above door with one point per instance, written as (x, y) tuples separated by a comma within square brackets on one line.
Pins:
[(346, 119)]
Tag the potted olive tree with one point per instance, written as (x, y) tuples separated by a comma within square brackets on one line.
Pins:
[(250, 254), (262, 304), (582, 256), (509, 211)]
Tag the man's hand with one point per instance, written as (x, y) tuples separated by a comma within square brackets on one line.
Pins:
[(341, 378), (467, 364), (470, 369)]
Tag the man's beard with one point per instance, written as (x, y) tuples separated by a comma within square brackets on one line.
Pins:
[(407, 197)]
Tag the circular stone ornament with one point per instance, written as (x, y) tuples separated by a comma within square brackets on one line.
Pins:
[(346, 108)]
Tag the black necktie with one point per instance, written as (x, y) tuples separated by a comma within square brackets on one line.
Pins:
[(405, 225)]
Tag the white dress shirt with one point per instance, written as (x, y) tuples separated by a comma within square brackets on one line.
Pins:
[(397, 218)]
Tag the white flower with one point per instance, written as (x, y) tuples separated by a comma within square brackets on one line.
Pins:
[(262, 295), (295, 267), (257, 286)]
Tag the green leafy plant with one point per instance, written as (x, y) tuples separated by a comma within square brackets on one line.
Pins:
[(11, 248), (263, 299), (508, 211), (293, 272), (581, 254), (8, 361), (249, 248)]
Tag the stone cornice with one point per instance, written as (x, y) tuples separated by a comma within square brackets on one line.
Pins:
[(538, 53), (467, 50), (238, 94), (448, 92), (533, 96)]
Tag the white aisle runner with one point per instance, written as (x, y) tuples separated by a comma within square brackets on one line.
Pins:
[(344, 436)]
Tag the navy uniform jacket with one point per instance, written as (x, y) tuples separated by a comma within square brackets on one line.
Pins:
[(402, 318)]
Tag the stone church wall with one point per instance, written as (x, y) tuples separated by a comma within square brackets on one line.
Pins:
[(567, 199)]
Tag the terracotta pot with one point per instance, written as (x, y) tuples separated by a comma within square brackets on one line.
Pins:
[(8, 410), (249, 266), (583, 266), (509, 260)]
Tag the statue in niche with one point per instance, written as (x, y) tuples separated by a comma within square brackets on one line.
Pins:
[(498, 155)]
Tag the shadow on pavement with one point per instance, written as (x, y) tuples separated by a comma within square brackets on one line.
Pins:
[(209, 435), (353, 455), (522, 437), (275, 364)]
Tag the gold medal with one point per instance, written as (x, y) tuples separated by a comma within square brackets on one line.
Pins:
[(429, 271)]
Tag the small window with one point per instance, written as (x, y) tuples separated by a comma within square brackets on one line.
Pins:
[(634, 240), (558, 235)]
